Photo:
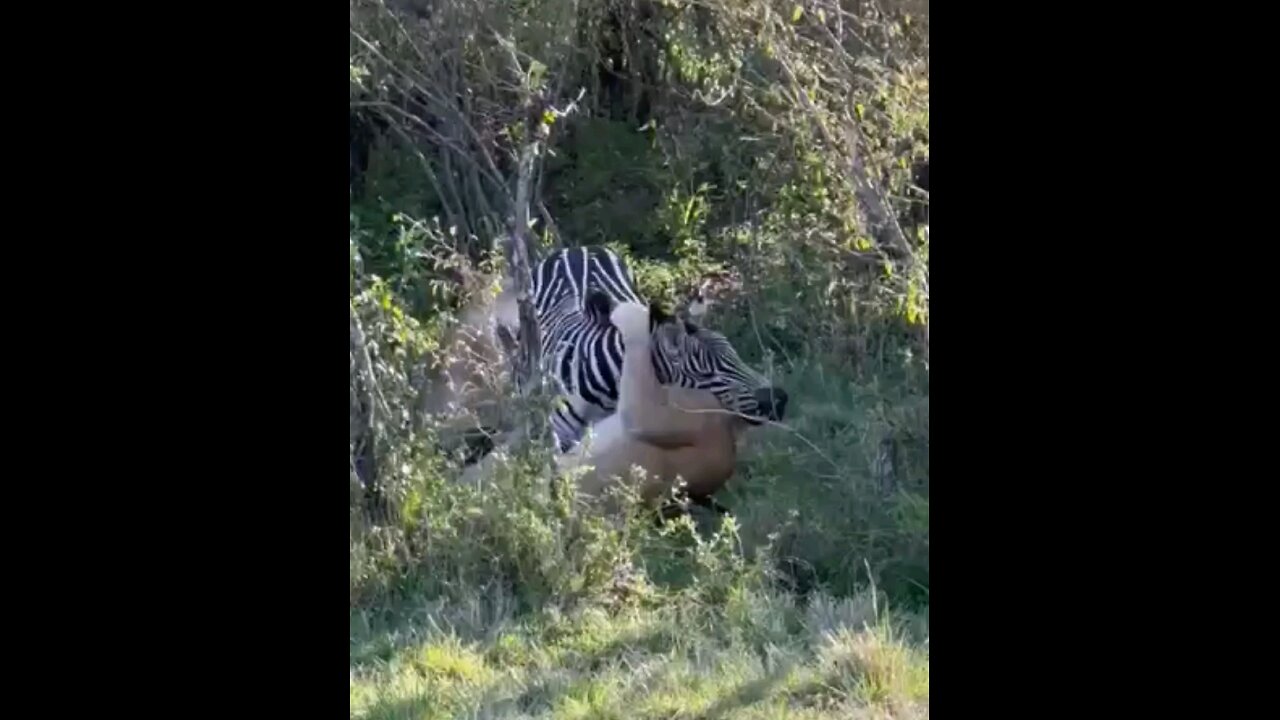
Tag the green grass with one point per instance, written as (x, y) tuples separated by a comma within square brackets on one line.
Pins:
[(814, 485), (764, 658)]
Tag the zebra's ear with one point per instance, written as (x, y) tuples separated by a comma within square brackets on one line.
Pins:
[(598, 305), (689, 327), (697, 305)]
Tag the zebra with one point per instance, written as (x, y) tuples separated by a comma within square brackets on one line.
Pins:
[(574, 290)]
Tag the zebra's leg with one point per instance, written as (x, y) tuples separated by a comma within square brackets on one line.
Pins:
[(669, 511), (566, 426), (709, 503), (573, 417), (478, 442)]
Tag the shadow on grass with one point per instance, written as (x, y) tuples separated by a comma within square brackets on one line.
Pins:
[(549, 685), (415, 708), (369, 644), (747, 694)]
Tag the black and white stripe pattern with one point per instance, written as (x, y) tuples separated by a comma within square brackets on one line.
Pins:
[(574, 290)]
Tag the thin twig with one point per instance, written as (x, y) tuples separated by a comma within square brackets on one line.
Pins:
[(450, 210), (423, 85), (491, 172)]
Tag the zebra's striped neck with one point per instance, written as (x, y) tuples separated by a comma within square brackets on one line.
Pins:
[(572, 272)]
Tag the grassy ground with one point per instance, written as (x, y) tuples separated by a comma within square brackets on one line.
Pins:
[(758, 656)]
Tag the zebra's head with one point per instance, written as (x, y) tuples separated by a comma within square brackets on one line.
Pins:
[(694, 356)]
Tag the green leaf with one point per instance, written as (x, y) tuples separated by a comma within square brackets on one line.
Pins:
[(796, 13), (537, 71)]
